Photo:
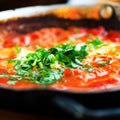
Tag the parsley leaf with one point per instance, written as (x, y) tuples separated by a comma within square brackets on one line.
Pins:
[(17, 49), (89, 69), (10, 60), (97, 43), (104, 63), (11, 82)]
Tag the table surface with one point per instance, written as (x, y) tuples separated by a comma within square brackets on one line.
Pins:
[(13, 115)]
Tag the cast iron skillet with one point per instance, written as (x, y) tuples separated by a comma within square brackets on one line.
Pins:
[(45, 101)]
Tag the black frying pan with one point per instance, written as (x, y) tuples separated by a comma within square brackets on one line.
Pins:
[(43, 101)]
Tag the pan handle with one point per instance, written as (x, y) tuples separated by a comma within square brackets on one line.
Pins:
[(79, 111)]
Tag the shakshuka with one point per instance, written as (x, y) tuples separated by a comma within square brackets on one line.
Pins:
[(72, 59)]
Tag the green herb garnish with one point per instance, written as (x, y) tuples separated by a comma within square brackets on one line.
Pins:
[(46, 66), (10, 82), (10, 60), (103, 63), (97, 43), (89, 68), (18, 49)]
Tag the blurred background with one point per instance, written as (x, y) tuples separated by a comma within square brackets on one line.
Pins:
[(7, 4)]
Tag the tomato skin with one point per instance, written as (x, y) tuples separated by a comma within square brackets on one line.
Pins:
[(100, 78), (103, 84), (49, 37), (114, 36), (19, 85), (46, 38), (100, 31)]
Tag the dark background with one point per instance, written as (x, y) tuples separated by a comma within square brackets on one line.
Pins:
[(12, 4)]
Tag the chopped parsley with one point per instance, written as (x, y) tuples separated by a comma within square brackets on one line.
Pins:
[(97, 43), (10, 60), (10, 82), (46, 66), (104, 63), (17, 49), (88, 68)]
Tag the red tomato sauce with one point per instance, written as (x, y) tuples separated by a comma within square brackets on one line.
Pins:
[(102, 78)]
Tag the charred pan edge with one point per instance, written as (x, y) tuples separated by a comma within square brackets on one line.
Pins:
[(29, 19)]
